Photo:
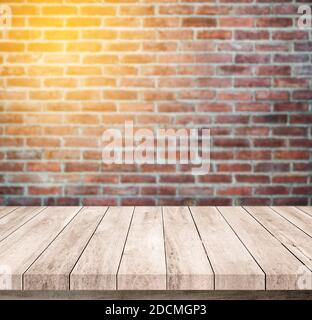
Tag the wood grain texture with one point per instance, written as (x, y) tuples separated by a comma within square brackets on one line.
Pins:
[(15, 219), (143, 265), (234, 267), (297, 217), (52, 269), (283, 270), (97, 267), (307, 210), (188, 266), (98, 249), (23, 247), (157, 295), (296, 241), (6, 210)]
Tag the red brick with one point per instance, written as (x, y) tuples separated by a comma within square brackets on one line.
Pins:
[(44, 166), (238, 167), (234, 96), (290, 131), (305, 143), (11, 190), (303, 166), (170, 191), (269, 143), (255, 201), (291, 83), (81, 167), (291, 58), (199, 22), (274, 22), (252, 35), (252, 107), (235, 70), (230, 143), (177, 179), (82, 190), (252, 82), (199, 191), (253, 131), (272, 167), (62, 201), (272, 95), (302, 95), (236, 22), (215, 201), (11, 166), (253, 155), (24, 201), (216, 178), (303, 46), (290, 35), (252, 179), (290, 179), (116, 191), (291, 155), (138, 202), (252, 58), (44, 191), (221, 155), (273, 70), (90, 201), (235, 191), (303, 190), (237, 119), (96, 178), (271, 190), (214, 107), (215, 34), (291, 106), (290, 201), (270, 118), (24, 155)]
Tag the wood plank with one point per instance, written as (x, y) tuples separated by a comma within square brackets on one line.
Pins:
[(283, 270), (52, 269), (296, 241), (97, 267), (6, 210), (188, 267), (307, 210), (143, 264), (297, 217), (234, 267), (16, 219), (22, 248), (168, 295)]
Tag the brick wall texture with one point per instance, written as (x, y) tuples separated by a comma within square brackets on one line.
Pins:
[(70, 68)]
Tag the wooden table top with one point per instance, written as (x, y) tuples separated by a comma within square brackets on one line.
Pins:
[(155, 248)]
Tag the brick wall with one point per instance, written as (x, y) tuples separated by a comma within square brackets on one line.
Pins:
[(70, 68)]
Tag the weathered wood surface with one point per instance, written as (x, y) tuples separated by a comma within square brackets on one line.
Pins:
[(156, 295), (98, 265), (282, 268), (6, 210), (143, 263), (52, 269), (15, 219), (20, 250), (232, 264), (187, 265), (155, 248)]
